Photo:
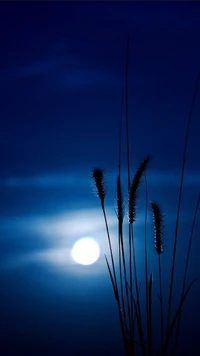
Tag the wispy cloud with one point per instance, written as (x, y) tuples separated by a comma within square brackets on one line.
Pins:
[(32, 69), (49, 180), (61, 73), (70, 179), (60, 233), (62, 228)]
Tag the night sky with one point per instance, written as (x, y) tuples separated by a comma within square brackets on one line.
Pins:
[(62, 70)]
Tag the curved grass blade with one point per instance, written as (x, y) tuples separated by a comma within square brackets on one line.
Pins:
[(180, 198), (186, 268), (178, 311), (112, 280)]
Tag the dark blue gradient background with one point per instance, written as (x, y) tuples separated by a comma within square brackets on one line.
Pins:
[(62, 68)]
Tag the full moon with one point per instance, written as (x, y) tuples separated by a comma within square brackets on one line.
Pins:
[(85, 251)]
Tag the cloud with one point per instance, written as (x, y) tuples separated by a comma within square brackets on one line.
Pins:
[(49, 180), (85, 79), (29, 70), (48, 240), (70, 179), (57, 259), (62, 228), (61, 73), (60, 233)]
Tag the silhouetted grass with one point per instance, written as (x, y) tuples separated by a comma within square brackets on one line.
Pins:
[(137, 330)]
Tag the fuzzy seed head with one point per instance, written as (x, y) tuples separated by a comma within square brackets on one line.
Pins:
[(133, 190), (98, 178), (119, 201), (158, 227)]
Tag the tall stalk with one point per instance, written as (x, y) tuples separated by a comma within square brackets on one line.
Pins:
[(158, 244), (128, 173), (179, 200), (127, 289), (133, 191), (185, 271), (146, 258), (120, 215)]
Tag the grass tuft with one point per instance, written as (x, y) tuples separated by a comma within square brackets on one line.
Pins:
[(137, 325)]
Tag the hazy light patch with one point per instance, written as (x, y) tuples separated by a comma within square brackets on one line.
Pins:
[(69, 226), (59, 259), (60, 233)]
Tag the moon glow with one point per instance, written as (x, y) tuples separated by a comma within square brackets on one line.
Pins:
[(85, 251)]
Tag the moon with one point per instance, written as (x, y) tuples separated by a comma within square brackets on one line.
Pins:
[(85, 251)]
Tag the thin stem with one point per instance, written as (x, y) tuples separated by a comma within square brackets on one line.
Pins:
[(145, 252), (120, 218), (150, 313), (161, 301), (130, 273), (174, 321), (131, 325), (179, 200), (121, 278), (186, 269), (140, 329), (128, 171), (110, 246), (127, 129), (120, 133), (116, 292)]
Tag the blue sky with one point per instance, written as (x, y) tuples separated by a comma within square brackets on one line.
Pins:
[(62, 69)]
